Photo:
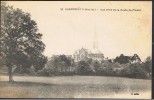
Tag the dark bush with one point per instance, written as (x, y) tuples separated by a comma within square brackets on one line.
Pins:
[(134, 71), (83, 68)]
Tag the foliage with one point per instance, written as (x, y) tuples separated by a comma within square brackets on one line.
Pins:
[(147, 66), (88, 66), (135, 58), (62, 60), (59, 64), (20, 41), (134, 71), (83, 67), (122, 59)]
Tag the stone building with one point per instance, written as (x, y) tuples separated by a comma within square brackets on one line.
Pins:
[(94, 54), (83, 53)]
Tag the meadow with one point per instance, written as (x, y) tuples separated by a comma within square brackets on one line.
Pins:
[(74, 87)]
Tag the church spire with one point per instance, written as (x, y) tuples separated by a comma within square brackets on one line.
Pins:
[(95, 43)]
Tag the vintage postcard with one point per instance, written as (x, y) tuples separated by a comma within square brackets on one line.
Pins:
[(76, 49)]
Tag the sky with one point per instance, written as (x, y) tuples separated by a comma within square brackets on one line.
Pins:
[(125, 31)]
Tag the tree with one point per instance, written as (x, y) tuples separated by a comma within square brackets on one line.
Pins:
[(135, 71), (83, 67), (61, 62), (135, 58), (122, 59), (20, 42), (147, 65), (97, 66)]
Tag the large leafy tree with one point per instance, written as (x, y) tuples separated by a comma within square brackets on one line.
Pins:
[(20, 41)]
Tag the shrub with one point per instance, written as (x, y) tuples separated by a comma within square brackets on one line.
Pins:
[(83, 68), (134, 71)]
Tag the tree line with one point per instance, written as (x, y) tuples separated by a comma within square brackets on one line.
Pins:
[(123, 66)]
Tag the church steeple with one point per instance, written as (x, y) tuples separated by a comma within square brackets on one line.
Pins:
[(95, 43), (95, 49)]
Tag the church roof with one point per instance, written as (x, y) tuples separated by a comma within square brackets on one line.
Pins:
[(96, 51)]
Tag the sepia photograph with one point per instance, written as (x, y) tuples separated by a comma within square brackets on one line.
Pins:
[(76, 49)]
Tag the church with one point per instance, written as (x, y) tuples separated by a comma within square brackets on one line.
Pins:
[(85, 53), (94, 54)]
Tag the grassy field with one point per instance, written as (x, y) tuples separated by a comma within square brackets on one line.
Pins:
[(74, 87)]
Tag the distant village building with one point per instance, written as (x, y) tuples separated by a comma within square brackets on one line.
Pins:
[(94, 54)]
